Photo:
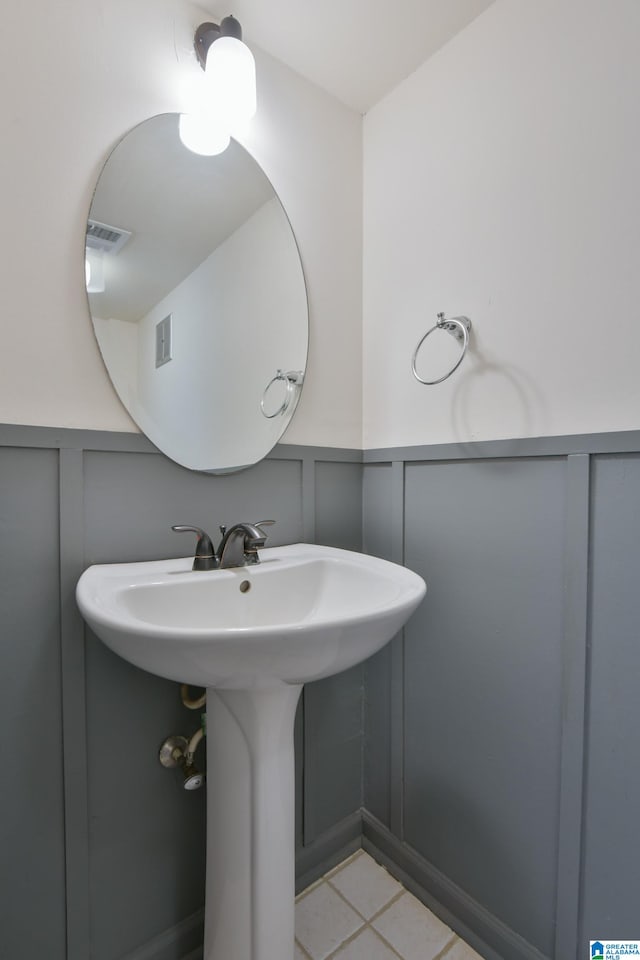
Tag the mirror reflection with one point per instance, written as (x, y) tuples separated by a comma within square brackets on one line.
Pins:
[(197, 297)]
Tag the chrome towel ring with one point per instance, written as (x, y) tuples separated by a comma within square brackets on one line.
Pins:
[(291, 379), (458, 327)]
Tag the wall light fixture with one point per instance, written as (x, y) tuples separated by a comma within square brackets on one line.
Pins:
[(227, 99)]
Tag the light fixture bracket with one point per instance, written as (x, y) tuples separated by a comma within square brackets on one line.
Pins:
[(208, 33)]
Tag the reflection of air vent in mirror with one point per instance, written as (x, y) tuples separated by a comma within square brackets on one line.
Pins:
[(101, 236), (163, 341)]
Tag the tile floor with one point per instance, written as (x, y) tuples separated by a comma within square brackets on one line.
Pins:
[(359, 912)]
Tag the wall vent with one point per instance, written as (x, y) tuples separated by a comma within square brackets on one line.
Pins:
[(102, 236)]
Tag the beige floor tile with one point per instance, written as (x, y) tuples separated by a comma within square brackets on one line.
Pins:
[(462, 951), (341, 866), (366, 946), (412, 930), (324, 921), (367, 886)]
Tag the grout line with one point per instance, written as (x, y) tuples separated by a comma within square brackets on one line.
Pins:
[(302, 949), (448, 947), (389, 945), (354, 936), (394, 899), (345, 863), (438, 956), (441, 955), (345, 943), (330, 873), (312, 886), (373, 916), (348, 902), (367, 922)]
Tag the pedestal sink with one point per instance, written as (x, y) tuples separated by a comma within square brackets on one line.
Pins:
[(252, 636)]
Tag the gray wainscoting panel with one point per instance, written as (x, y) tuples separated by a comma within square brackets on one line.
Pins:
[(483, 682), (146, 833), (338, 499), (377, 528), (574, 681), (332, 751), (377, 540), (32, 904), (132, 501), (74, 704), (333, 707), (376, 772), (611, 885)]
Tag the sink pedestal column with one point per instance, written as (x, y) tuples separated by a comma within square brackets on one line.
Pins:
[(250, 892)]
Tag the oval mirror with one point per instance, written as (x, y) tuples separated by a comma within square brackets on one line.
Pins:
[(197, 297)]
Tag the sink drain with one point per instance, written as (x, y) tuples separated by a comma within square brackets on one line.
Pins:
[(244, 586)]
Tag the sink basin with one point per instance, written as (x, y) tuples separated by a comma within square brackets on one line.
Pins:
[(303, 613), (252, 636)]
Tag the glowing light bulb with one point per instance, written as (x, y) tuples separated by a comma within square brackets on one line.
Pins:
[(202, 133), (231, 78)]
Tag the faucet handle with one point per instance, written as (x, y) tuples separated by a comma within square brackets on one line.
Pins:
[(186, 528), (264, 523), (205, 556)]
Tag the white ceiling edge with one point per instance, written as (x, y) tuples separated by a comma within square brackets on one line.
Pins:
[(355, 50)]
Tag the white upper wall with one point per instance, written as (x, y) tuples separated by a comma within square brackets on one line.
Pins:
[(87, 74), (501, 181)]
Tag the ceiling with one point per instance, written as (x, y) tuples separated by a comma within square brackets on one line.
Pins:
[(356, 50)]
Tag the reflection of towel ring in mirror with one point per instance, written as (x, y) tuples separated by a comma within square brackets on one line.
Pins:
[(291, 378), (458, 327)]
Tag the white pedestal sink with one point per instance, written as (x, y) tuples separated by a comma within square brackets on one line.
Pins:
[(253, 636)]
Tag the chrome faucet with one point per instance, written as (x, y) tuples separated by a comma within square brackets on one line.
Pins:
[(238, 547)]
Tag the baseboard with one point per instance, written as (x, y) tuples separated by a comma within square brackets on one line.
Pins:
[(184, 940), (492, 938), (328, 850)]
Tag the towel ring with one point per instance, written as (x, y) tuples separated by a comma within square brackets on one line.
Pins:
[(458, 327), (291, 379)]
